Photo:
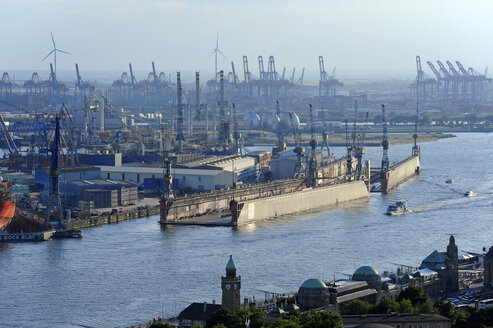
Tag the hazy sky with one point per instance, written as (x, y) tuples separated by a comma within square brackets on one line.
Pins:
[(180, 34)]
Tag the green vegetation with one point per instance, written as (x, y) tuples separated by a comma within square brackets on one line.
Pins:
[(410, 300), (321, 319), (414, 300), (160, 324)]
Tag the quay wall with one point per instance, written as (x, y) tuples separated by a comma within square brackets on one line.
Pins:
[(93, 221), (307, 199), (403, 171)]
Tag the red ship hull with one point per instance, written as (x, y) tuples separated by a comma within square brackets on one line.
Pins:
[(7, 212)]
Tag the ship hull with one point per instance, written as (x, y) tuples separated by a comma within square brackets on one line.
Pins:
[(7, 212)]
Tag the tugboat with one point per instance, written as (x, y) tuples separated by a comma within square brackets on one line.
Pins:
[(397, 208)]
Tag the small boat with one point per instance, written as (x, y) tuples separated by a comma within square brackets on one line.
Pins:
[(450, 181), (397, 208), (469, 193)]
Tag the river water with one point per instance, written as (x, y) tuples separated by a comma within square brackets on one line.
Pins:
[(133, 271)]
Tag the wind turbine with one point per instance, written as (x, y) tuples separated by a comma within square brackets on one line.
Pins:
[(55, 50), (215, 51)]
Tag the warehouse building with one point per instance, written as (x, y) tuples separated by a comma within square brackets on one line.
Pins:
[(80, 173), (184, 178), (104, 193)]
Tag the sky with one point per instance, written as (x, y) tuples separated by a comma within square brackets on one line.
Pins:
[(352, 35)]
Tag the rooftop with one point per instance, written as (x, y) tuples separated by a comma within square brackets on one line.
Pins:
[(366, 273), (435, 261), (393, 317), (158, 171), (231, 264), (199, 311), (313, 283)]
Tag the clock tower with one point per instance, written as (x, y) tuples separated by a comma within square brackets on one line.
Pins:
[(231, 285)]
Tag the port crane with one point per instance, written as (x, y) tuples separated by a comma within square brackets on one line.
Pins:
[(325, 135), (179, 121), (359, 148), (349, 154), (312, 161), (54, 207), (385, 143)]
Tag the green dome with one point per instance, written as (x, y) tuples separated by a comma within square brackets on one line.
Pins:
[(313, 283), (366, 273), (231, 264)]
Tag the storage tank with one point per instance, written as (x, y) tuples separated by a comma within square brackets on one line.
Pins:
[(289, 121), (270, 121), (254, 120)]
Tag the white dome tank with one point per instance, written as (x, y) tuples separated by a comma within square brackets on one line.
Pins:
[(254, 120), (290, 121), (270, 121)]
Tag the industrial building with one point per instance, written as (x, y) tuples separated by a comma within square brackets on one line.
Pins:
[(41, 175), (104, 193), (185, 179)]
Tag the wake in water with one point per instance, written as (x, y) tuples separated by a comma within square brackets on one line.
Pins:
[(476, 200)]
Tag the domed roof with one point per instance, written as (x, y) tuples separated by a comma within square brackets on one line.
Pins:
[(435, 261), (231, 264), (366, 273), (313, 283)]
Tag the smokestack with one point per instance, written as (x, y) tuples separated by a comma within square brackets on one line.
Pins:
[(205, 307)]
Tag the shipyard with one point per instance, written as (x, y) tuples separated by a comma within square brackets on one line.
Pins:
[(259, 164)]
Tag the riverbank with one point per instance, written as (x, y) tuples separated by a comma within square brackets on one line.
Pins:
[(371, 139)]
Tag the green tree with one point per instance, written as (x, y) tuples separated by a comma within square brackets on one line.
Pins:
[(160, 324), (414, 294), (405, 306), (223, 316), (356, 307), (320, 319), (255, 314), (219, 325), (384, 306), (285, 323)]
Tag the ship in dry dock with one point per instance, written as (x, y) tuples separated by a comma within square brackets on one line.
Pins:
[(315, 181)]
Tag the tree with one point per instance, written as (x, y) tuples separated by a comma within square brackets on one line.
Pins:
[(405, 306), (223, 316), (160, 324), (285, 323), (320, 319), (384, 306), (414, 294), (356, 307)]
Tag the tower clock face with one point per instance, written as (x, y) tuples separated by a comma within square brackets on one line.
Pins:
[(228, 286)]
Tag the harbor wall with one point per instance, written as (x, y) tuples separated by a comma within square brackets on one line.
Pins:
[(403, 171), (93, 221), (307, 199)]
